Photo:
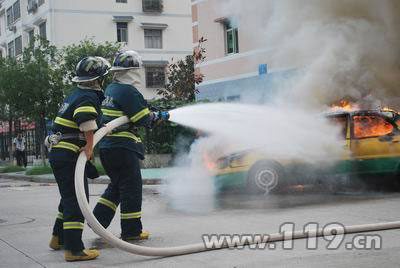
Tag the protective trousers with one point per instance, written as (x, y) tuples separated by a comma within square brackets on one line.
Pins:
[(122, 166), (70, 221)]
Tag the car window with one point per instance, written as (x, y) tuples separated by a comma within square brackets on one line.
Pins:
[(341, 122), (371, 126)]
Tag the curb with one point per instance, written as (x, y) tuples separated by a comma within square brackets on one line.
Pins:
[(100, 180)]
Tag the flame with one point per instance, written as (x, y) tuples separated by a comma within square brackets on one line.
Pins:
[(210, 165), (371, 126), (344, 105)]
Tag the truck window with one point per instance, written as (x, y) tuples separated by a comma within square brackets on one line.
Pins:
[(366, 126), (341, 122)]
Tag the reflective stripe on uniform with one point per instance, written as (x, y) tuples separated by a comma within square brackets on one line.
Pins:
[(114, 113), (73, 225), (65, 122), (67, 145), (140, 115), (133, 215), (60, 216), (108, 203), (125, 134), (85, 109)]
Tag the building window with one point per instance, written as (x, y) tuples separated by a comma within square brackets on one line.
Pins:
[(17, 10), (231, 39), (11, 49), (152, 5), (152, 38), (122, 1), (42, 30), (155, 77), (40, 2), (10, 16), (122, 32), (18, 45), (31, 36)]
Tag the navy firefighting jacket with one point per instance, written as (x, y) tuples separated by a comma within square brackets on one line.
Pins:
[(120, 100), (81, 106)]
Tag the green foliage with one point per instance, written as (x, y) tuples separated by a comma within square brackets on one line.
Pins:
[(40, 170), (74, 53), (42, 88), (182, 78), (11, 169)]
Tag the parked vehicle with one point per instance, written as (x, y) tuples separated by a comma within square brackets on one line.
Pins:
[(371, 139)]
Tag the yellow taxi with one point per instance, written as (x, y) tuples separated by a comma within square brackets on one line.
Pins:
[(371, 139)]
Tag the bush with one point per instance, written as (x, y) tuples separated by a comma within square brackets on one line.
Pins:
[(40, 170), (11, 169)]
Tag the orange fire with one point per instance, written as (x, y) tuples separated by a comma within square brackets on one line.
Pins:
[(209, 163), (371, 126), (344, 105)]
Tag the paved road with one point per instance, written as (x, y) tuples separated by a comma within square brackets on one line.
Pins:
[(27, 211)]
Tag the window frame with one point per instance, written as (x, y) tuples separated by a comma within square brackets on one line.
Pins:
[(148, 6), (153, 84), (41, 28), (10, 16), (121, 30), (13, 49), (153, 38), (229, 29), (20, 48), (386, 119), (16, 4), (31, 37)]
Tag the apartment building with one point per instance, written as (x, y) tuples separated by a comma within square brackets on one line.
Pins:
[(160, 30), (235, 68)]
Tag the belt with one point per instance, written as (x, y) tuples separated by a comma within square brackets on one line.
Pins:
[(71, 136)]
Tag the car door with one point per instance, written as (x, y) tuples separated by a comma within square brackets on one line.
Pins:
[(375, 143), (343, 164)]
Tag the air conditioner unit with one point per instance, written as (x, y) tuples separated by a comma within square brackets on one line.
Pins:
[(32, 6), (12, 28)]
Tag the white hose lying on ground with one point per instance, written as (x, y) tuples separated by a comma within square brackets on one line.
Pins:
[(200, 247)]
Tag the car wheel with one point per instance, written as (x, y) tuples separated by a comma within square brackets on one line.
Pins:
[(265, 177)]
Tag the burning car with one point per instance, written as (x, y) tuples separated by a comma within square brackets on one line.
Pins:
[(371, 142)]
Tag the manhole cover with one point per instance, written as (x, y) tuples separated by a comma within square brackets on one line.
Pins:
[(2, 221)]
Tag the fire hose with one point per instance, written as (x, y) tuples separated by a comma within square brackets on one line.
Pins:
[(199, 247)]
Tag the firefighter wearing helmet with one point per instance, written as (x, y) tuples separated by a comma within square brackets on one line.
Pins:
[(77, 119), (121, 150)]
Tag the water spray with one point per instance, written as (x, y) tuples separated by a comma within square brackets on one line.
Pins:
[(199, 247)]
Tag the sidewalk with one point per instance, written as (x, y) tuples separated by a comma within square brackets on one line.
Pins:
[(151, 176)]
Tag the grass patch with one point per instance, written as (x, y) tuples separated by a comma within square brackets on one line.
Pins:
[(11, 168), (39, 170)]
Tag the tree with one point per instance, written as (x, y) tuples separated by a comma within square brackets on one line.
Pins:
[(10, 94), (183, 77), (74, 53), (43, 86)]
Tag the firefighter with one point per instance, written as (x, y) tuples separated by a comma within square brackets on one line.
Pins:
[(121, 150), (77, 119)]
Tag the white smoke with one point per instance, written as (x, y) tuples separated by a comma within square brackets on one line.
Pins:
[(343, 48)]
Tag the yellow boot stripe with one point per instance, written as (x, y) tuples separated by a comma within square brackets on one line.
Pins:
[(67, 145), (113, 113), (65, 122), (108, 203), (140, 115), (73, 225), (85, 109)]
